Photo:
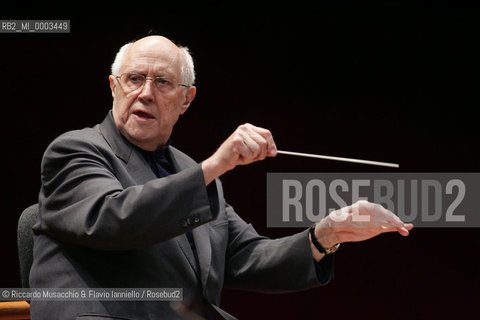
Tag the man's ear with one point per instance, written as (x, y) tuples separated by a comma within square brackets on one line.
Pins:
[(113, 84), (189, 96)]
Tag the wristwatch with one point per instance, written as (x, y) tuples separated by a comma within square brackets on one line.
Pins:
[(325, 251)]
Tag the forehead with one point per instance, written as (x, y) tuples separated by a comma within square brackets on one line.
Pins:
[(153, 58)]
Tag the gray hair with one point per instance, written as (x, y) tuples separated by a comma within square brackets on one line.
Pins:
[(117, 63), (187, 70)]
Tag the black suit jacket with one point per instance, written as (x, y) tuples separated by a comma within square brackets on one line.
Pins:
[(106, 221)]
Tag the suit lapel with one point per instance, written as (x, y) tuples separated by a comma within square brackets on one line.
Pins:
[(201, 234), (142, 173), (137, 166), (182, 242), (140, 169)]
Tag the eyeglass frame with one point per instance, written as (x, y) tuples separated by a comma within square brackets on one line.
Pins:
[(148, 78)]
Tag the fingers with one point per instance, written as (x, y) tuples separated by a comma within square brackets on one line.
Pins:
[(393, 222), (404, 231), (264, 139), (246, 145), (364, 219), (408, 226), (271, 148), (254, 143), (380, 214)]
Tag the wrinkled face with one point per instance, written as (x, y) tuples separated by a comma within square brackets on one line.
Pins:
[(146, 116)]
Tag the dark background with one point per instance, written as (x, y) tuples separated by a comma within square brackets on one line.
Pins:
[(391, 81)]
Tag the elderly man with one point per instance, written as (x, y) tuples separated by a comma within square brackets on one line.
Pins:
[(122, 208)]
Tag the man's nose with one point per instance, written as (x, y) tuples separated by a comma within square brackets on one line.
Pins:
[(147, 91)]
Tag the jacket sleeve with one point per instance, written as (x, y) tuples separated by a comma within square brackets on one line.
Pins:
[(261, 264), (82, 202)]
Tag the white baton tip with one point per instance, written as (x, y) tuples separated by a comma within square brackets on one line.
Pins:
[(319, 156)]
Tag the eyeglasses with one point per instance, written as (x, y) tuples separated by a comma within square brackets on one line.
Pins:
[(133, 81)]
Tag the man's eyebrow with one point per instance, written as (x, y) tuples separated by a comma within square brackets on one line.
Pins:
[(141, 69), (161, 75)]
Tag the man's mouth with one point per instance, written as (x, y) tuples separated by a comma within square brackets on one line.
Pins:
[(143, 114)]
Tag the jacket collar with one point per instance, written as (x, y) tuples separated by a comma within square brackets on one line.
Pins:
[(119, 144), (124, 148), (142, 173)]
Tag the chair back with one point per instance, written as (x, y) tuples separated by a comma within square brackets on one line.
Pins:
[(25, 241)]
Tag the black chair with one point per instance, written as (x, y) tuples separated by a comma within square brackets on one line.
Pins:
[(25, 241), (21, 309)]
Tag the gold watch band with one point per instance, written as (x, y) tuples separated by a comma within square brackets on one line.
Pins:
[(332, 249)]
